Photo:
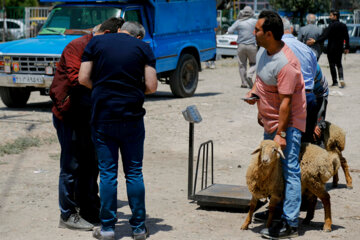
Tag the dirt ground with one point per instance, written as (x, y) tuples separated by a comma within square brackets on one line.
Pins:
[(29, 180)]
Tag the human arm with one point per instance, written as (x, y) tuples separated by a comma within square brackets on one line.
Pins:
[(250, 94), (151, 82), (321, 38), (85, 74), (284, 118), (347, 41), (232, 28)]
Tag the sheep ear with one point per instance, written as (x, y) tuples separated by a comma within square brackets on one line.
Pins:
[(256, 151), (280, 152)]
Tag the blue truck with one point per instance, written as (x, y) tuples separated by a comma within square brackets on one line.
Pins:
[(180, 32)]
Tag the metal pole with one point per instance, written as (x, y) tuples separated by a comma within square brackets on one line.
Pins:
[(255, 5), (191, 156)]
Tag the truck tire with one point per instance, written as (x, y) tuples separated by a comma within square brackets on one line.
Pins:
[(184, 79), (14, 97)]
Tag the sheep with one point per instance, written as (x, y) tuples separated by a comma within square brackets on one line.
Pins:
[(264, 178), (317, 167), (334, 141)]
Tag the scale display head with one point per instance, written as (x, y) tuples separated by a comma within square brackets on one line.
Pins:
[(191, 114)]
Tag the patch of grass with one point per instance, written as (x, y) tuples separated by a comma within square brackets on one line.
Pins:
[(54, 156), (19, 145)]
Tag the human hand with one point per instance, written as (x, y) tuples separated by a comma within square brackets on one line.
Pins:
[(346, 51), (317, 133), (310, 41), (251, 98), (281, 141)]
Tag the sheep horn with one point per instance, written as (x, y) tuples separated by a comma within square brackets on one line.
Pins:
[(280, 152)]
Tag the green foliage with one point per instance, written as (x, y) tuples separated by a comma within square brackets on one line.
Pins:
[(301, 7), (22, 3)]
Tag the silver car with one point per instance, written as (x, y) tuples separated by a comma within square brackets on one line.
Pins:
[(226, 45)]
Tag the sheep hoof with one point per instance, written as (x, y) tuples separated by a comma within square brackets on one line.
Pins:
[(349, 187), (327, 229), (244, 227)]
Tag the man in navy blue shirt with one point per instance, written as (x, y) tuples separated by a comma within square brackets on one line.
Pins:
[(120, 69)]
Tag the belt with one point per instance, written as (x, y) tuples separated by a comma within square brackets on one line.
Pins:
[(308, 90)]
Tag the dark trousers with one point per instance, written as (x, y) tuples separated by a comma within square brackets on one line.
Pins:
[(78, 170), (129, 138), (334, 59), (311, 117)]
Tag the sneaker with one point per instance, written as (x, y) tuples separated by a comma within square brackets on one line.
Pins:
[(75, 222), (263, 216), (280, 231), (244, 86), (342, 83), (103, 235), (140, 234)]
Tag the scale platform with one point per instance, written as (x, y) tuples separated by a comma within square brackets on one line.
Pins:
[(223, 195)]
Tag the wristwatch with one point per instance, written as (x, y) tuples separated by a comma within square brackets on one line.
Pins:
[(282, 134)]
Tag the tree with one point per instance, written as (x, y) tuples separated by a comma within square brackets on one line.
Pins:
[(299, 8), (22, 3)]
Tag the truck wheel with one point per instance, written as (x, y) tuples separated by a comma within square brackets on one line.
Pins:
[(184, 80), (14, 97)]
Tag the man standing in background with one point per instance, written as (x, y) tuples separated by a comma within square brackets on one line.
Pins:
[(311, 31), (247, 49), (337, 34)]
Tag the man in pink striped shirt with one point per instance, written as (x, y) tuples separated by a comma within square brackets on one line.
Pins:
[(282, 112)]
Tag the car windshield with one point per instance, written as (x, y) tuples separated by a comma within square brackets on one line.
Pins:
[(77, 18)]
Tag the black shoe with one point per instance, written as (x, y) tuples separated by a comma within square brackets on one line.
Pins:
[(280, 231), (140, 235), (263, 216), (335, 84)]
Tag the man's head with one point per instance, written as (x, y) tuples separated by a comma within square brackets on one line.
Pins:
[(311, 18), (334, 15), (134, 29), (288, 27), (268, 28), (110, 25)]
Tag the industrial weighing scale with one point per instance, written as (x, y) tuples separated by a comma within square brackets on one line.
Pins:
[(210, 194)]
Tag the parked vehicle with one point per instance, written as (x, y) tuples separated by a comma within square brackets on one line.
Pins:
[(226, 45), (181, 34), (14, 29), (354, 38)]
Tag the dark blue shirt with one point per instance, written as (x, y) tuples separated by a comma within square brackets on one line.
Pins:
[(118, 76)]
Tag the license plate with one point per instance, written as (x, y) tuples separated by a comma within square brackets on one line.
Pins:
[(35, 79)]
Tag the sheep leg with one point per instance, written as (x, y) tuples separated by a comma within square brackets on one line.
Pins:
[(345, 168), (335, 180), (247, 222), (325, 199), (311, 204), (272, 208)]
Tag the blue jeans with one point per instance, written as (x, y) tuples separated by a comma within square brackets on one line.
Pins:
[(78, 169), (311, 117), (292, 175), (129, 138)]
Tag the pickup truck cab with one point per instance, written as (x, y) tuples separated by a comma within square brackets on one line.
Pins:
[(180, 32)]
